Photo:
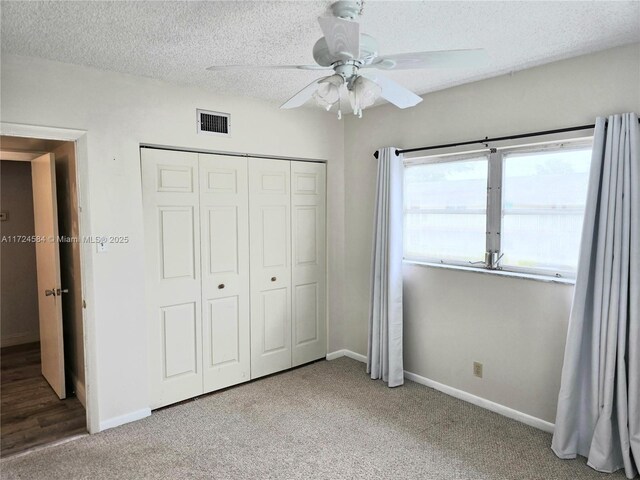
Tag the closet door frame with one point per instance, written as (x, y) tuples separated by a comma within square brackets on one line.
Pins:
[(275, 297)]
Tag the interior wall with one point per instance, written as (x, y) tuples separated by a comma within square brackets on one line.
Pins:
[(515, 327), (119, 112), (70, 272), (18, 282)]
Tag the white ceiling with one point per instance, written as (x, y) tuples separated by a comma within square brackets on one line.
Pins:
[(176, 41)]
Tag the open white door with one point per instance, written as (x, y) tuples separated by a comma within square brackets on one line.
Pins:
[(45, 211)]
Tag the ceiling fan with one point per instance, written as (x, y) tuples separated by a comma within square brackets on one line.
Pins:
[(354, 59)]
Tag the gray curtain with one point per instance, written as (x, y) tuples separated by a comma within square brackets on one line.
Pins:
[(384, 355), (598, 413)]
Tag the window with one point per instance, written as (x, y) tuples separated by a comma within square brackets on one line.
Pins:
[(543, 202), (517, 209), (445, 208)]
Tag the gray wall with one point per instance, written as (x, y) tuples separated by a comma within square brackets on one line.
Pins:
[(516, 327), (18, 282)]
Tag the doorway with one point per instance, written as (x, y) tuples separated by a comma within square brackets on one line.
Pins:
[(41, 321)]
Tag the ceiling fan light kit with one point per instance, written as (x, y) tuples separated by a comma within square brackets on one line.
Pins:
[(328, 92), (362, 94), (346, 51)]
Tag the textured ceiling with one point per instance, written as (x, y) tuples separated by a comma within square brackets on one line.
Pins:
[(176, 41)]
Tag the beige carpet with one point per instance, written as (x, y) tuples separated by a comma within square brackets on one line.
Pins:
[(327, 420)]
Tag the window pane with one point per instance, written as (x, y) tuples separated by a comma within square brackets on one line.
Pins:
[(445, 210), (445, 237), (543, 200)]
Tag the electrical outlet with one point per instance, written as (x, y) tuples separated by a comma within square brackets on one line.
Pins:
[(477, 369)]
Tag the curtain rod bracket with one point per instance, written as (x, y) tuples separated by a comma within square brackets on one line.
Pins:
[(375, 154)]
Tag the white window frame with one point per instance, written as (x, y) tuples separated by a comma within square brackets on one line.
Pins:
[(447, 158), (495, 179)]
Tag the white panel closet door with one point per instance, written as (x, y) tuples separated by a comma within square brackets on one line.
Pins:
[(308, 233), (224, 221), (270, 227), (172, 255)]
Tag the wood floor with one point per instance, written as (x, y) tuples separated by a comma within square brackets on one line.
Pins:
[(32, 414)]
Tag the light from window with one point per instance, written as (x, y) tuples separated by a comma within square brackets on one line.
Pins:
[(445, 207), (543, 201), (516, 208)]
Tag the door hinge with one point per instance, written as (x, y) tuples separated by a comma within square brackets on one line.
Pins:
[(84, 304)]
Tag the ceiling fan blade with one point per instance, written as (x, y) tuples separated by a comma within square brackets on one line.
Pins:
[(437, 59), (342, 36), (303, 95), (270, 67), (393, 92)]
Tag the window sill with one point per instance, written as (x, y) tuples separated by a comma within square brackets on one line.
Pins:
[(501, 273)]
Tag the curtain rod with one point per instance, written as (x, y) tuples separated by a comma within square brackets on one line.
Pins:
[(495, 139)]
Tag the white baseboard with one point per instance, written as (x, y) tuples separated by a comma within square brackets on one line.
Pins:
[(461, 394), (347, 353), (482, 402), (336, 354), (78, 386), (19, 339), (122, 419)]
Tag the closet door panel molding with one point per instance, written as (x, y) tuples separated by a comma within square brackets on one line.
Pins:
[(308, 204), (270, 227), (224, 207), (172, 257)]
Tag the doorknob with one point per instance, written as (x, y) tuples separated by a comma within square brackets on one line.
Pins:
[(273, 279), (48, 293), (64, 290), (221, 286)]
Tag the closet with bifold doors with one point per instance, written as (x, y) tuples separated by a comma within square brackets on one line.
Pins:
[(235, 262)]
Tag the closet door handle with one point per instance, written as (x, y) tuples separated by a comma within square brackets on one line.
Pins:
[(221, 286), (273, 279)]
